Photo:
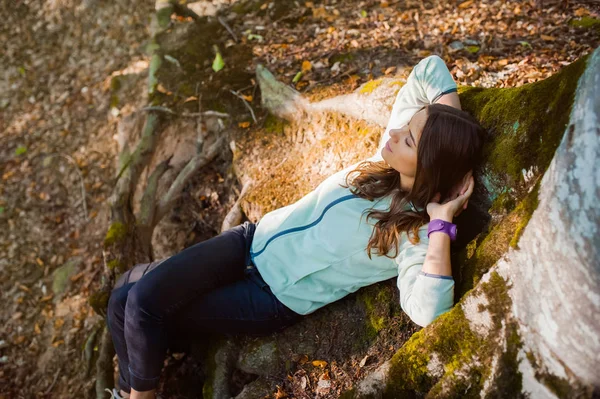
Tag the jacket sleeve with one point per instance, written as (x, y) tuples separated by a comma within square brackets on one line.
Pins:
[(422, 296), (428, 81)]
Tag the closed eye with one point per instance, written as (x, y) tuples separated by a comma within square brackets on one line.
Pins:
[(407, 141)]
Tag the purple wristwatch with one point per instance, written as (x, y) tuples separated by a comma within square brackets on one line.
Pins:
[(442, 226)]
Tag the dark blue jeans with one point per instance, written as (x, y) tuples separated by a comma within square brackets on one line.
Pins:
[(210, 287)]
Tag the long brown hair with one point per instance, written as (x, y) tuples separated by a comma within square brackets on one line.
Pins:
[(450, 146)]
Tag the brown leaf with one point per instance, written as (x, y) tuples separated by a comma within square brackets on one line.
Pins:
[(548, 38), (465, 4), (244, 125), (37, 329), (46, 298), (58, 323), (24, 288), (303, 359)]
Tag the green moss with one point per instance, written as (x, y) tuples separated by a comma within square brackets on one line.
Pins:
[(451, 339), (491, 247), (503, 203), (377, 307), (116, 265), (155, 63), (116, 232), (526, 209), (561, 387), (163, 16), (370, 86), (508, 381), (99, 302), (585, 22), (343, 57), (525, 124), (275, 125)]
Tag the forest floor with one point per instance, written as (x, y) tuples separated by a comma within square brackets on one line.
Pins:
[(57, 128)]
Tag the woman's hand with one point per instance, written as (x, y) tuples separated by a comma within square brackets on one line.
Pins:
[(455, 203)]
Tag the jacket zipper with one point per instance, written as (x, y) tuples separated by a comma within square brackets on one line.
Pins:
[(296, 229)]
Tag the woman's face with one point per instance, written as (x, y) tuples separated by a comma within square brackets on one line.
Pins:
[(400, 152)]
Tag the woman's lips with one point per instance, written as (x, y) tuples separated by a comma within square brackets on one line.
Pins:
[(387, 145)]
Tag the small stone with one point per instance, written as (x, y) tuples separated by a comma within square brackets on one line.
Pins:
[(456, 45)]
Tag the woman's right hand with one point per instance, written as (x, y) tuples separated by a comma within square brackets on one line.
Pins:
[(456, 202)]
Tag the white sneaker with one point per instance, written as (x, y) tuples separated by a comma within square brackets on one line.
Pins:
[(114, 394)]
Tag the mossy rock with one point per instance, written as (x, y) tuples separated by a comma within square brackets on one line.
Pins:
[(525, 125)]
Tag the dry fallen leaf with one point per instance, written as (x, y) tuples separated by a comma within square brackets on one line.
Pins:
[(37, 329), (306, 66), (303, 359), (465, 4), (319, 363), (548, 38), (46, 298), (280, 394), (244, 125)]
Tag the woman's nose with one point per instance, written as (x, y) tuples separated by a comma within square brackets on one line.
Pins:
[(395, 132)]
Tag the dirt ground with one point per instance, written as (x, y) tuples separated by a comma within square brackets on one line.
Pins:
[(57, 129)]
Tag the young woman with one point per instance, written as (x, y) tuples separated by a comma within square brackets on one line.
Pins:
[(390, 215)]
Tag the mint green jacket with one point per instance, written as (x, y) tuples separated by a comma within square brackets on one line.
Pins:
[(313, 252)]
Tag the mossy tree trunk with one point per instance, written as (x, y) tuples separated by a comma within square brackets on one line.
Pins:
[(128, 240)]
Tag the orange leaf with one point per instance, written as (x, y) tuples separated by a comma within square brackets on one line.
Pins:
[(280, 394), (306, 66), (244, 125), (247, 98), (319, 363), (465, 4), (548, 38), (37, 329)]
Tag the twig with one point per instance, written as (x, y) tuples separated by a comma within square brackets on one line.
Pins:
[(235, 93), (159, 109), (226, 26), (185, 114), (199, 130), (83, 194), (53, 382), (194, 164)]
